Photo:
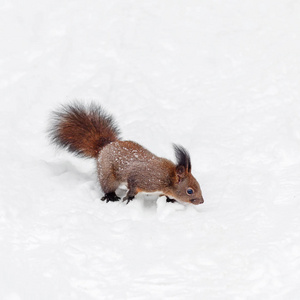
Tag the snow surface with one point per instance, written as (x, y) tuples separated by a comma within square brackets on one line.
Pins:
[(220, 78)]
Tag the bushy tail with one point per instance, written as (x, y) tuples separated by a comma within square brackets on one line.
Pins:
[(82, 130)]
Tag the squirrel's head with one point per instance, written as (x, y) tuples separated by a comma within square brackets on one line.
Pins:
[(186, 188)]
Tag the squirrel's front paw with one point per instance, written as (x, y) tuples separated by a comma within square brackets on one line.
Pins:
[(128, 199), (110, 197), (170, 200)]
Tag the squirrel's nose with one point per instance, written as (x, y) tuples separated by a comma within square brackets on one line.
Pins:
[(197, 201)]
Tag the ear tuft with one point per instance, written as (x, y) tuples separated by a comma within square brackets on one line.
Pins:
[(183, 158)]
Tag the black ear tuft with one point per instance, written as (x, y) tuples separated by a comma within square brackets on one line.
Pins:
[(182, 157)]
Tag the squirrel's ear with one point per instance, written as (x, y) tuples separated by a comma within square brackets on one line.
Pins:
[(181, 172), (183, 161)]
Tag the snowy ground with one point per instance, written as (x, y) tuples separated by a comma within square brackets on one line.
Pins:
[(220, 78)]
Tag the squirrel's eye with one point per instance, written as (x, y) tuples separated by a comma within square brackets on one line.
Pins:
[(190, 191)]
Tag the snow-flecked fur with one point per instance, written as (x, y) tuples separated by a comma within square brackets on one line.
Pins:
[(89, 131), (83, 130)]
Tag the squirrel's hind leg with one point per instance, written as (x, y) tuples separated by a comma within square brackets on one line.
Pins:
[(108, 183), (110, 197)]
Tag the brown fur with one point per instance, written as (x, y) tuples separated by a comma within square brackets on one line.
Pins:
[(91, 132), (83, 130)]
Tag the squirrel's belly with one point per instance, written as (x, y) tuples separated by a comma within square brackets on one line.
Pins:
[(122, 188), (154, 194)]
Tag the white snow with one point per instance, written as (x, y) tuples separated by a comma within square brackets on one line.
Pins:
[(220, 78)]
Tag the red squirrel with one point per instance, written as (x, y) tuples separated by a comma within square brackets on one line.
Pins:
[(88, 131)]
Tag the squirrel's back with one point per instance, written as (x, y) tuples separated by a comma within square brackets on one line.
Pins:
[(123, 158), (83, 130)]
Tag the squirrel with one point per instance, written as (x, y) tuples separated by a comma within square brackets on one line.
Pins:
[(89, 131)]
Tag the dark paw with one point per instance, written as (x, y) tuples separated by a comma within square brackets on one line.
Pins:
[(110, 197), (128, 199), (170, 200)]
